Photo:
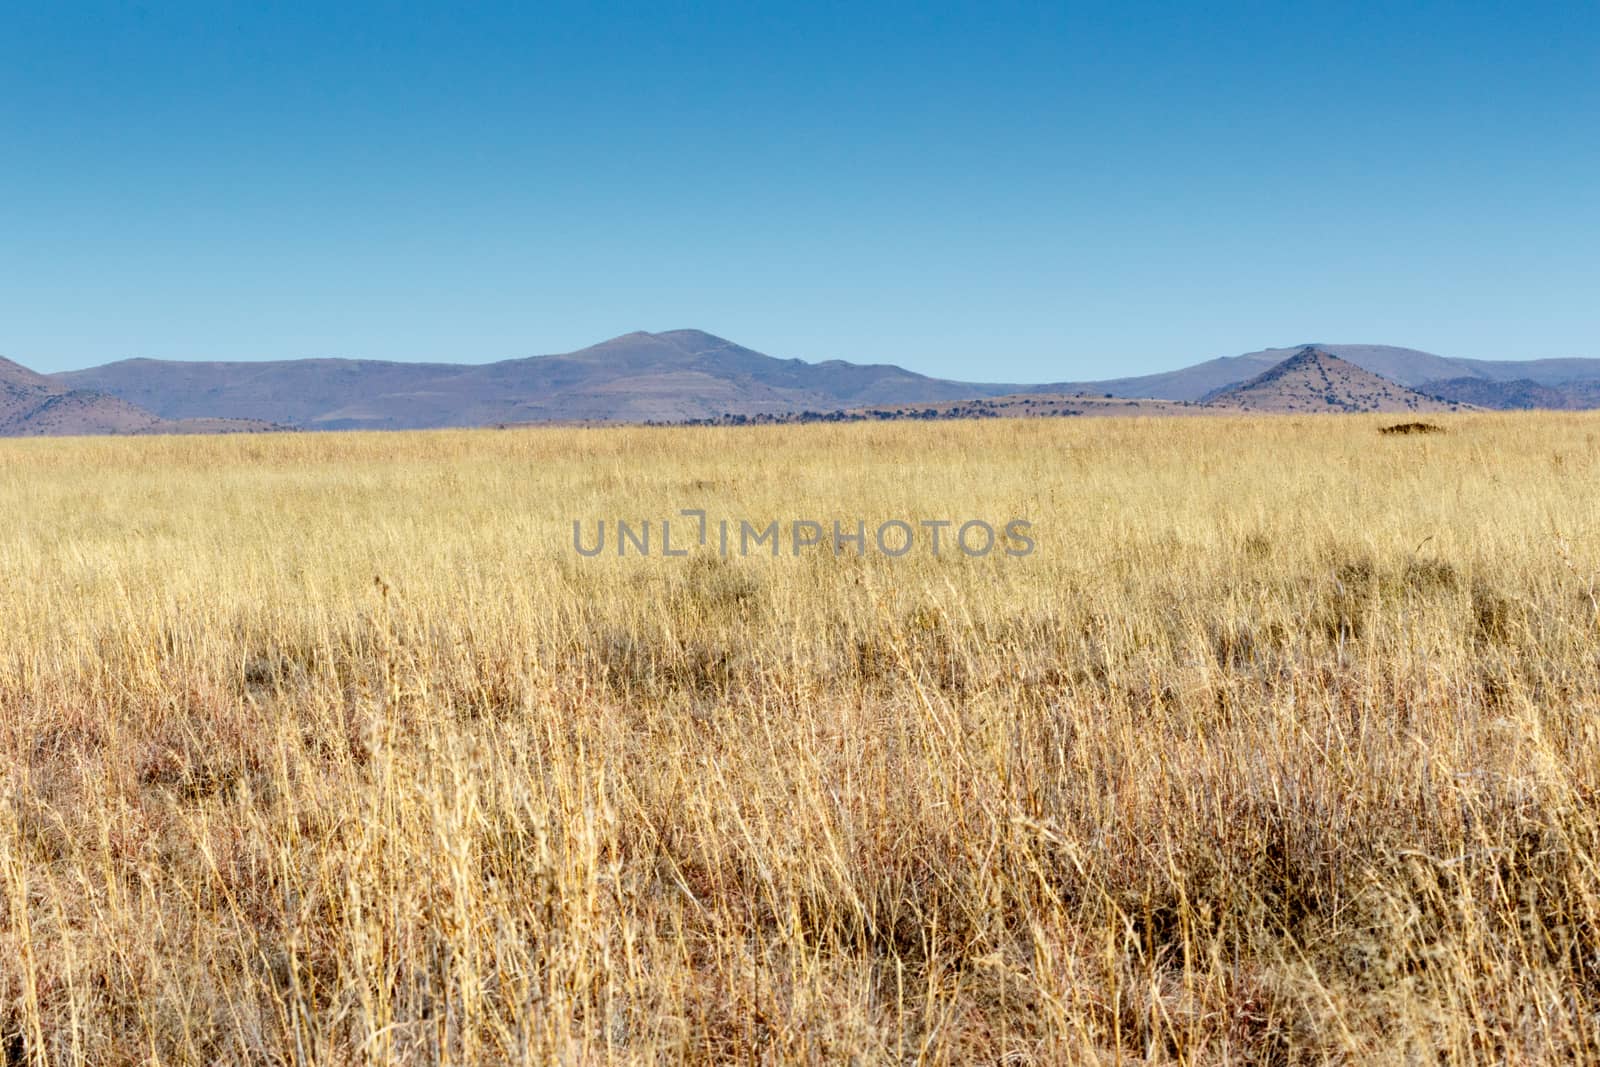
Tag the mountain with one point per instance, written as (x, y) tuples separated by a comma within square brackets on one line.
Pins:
[(1404, 365), (672, 376), (1543, 371), (1407, 366), (1518, 394), (33, 405), (1572, 379), (1315, 380)]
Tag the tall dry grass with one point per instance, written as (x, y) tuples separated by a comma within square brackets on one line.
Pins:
[(1283, 746)]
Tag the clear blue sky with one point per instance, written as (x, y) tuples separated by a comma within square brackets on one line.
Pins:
[(990, 190)]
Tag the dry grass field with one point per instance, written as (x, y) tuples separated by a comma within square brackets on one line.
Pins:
[(1283, 746)]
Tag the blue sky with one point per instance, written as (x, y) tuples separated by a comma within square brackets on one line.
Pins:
[(990, 191)]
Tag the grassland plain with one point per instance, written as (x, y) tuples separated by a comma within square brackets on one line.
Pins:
[(1282, 746)]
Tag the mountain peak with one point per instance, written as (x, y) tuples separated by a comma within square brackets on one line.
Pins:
[(1310, 356), (642, 348), (694, 338), (16, 375)]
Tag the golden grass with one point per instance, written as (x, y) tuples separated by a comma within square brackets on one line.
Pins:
[(1283, 746)]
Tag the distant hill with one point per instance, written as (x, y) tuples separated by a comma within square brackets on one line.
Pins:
[(33, 405), (1518, 394), (1407, 366), (1315, 380), (1572, 379), (672, 376)]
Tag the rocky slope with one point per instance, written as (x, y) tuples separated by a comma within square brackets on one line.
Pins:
[(1314, 380)]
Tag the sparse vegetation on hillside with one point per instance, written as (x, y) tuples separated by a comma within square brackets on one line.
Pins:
[(1015, 405), (1280, 748), (1314, 379)]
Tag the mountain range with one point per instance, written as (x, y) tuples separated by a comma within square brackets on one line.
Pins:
[(638, 377), (687, 375)]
